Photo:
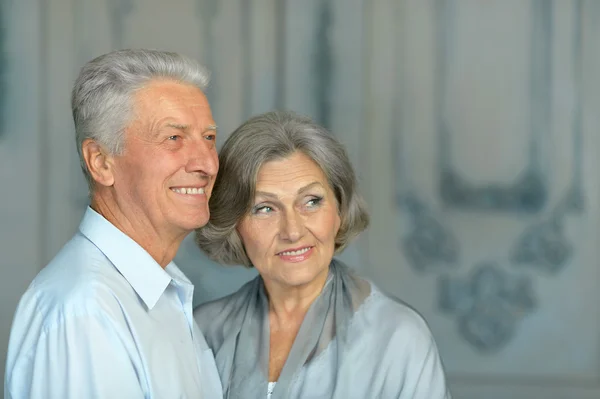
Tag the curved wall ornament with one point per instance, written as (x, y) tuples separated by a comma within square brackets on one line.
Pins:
[(491, 301), (429, 245), (488, 304), (528, 192), (544, 245)]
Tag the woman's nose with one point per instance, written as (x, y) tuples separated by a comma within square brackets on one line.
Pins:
[(292, 227)]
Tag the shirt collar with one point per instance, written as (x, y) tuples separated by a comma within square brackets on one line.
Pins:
[(144, 274)]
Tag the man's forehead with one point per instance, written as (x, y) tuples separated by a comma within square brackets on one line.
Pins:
[(172, 95), (169, 97), (170, 91)]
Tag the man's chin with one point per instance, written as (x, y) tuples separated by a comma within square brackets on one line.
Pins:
[(192, 224)]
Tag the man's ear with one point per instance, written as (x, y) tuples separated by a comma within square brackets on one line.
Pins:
[(99, 163)]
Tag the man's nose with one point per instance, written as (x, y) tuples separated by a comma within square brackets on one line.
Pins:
[(203, 158)]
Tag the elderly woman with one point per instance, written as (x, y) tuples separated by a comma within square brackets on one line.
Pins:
[(285, 202)]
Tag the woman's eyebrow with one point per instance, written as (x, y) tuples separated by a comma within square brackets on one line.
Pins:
[(301, 190)]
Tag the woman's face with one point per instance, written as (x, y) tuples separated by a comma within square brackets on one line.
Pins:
[(289, 233)]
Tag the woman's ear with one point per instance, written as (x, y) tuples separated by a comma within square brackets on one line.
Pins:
[(99, 163)]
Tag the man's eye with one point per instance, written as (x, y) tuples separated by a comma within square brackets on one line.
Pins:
[(210, 137), (174, 138)]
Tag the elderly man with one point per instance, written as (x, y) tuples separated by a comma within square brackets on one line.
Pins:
[(111, 315)]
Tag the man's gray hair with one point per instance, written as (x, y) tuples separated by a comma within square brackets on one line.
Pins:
[(102, 97), (263, 138)]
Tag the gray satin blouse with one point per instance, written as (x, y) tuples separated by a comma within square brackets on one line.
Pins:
[(354, 342)]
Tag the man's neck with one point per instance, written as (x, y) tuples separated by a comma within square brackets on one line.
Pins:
[(161, 245)]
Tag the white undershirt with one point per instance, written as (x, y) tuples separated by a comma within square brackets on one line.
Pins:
[(270, 388)]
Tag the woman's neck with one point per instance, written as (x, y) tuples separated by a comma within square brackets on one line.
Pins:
[(290, 304), (287, 308)]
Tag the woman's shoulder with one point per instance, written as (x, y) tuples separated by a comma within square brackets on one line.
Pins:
[(399, 340), (380, 311), (394, 317)]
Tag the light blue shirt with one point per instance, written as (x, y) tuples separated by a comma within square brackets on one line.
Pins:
[(104, 320)]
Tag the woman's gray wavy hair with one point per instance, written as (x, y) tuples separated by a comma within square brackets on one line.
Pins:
[(263, 138), (102, 97)]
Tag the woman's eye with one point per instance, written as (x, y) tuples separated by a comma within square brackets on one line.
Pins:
[(314, 201), (264, 209)]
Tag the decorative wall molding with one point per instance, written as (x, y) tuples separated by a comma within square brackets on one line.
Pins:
[(544, 244), (488, 304), (491, 301), (528, 192), (429, 245)]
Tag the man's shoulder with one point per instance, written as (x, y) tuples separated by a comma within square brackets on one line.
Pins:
[(76, 281), (75, 289)]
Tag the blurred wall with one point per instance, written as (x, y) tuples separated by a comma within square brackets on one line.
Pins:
[(471, 124)]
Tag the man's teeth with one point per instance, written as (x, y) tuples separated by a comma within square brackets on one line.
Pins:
[(293, 253), (191, 190)]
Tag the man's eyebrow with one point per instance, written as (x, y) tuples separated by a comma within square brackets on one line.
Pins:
[(178, 126), (183, 127), (211, 128)]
